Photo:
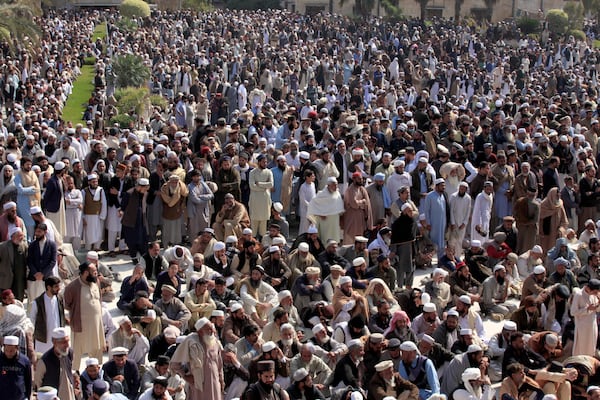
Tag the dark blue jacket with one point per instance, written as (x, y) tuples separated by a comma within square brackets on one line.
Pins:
[(15, 377), (131, 374), (52, 195), (41, 261)]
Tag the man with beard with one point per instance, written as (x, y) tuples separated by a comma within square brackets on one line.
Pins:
[(535, 283), (199, 301), (462, 283), (527, 317), (419, 370), (282, 183), (460, 210), (326, 168), (28, 193), (373, 349), (198, 360), (235, 323), (261, 182), (475, 386), (482, 213), (277, 273), (386, 382), (90, 374), (242, 263), (307, 288), (427, 322), (469, 318), (95, 208), (174, 312), (439, 290), (435, 352), (329, 257), (358, 249), (119, 184), (93, 156), (270, 351), (344, 293), (325, 210), (133, 217), (266, 387), (350, 370), (398, 180), (494, 294), (131, 339), (472, 358), (302, 387), (204, 243), (447, 333), (327, 348), (158, 391), (9, 219), (527, 213), (228, 182), (257, 296), (563, 275), (82, 300), (436, 208), (379, 197), (380, 320), (54, 368), (358, 215)]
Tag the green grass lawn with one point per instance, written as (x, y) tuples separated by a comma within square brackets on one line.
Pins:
[(83, 85), (597, 44)]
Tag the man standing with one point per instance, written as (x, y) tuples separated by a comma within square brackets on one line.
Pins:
[(198, 360), (47, 313), (325, 210), (198, 205), (261, 183), (54, 197), (94, 213), (13, 262), (482, 213), (15, 371), (55, 367), (41, 260), (436, 209), (460, 211), (584, 308), (173, 194), (119, 184), (10, 219), (28, 192), (133, 218), (282, 183), (82, 300), (358, 209), (379, 197), (527, 215)]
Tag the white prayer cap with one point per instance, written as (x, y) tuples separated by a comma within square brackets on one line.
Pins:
[(336, 267), (465, 299), (231, 239), (143, 182), (59, 333), (405, 206), (452, 313), (439, 181), (124, 320), (277, 206), (466, 332), (463, 183), (303, 247), (217, 313), (200, 323), (13, 230), (537, 249), (539, 269), (499, 267), (92, 255), (9, 205), (355, 343), (358, 261), (510, 326), (423, 160), (312, 229), (356, 396), (427, 339), (91, 361), (429, 307), (284, 294), (332, 179), (59, 166), (440, 271), (344, 280), (408, 346), (318, 328), (268, 346), (358, 152), (35, 210), (471, 374), (47, 393), (360, 239), (383, 365), (236, 306), (300, 374), (474, 348), (278, 240), (119, 351), (305, 155), (475, 243), (399, 163), (219, 246), (273, 249), (11, 341), (247, 231), (92, 177)]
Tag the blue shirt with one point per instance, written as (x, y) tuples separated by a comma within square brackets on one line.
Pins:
[(432, 377), (15, 377)]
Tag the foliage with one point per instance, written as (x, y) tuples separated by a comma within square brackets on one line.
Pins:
[(79, 97), (457, 8), (489, 5), (423, 8), (597, 44), (127, 25), (135, 8), (159, 101), (99, 32), (17, 25), (130, 100), (577, 34), (197, 5), (528, 25), (574, 10), (591, 7), (253, 4), (558, 21), (392, 10), (124, 120), (130, 70)]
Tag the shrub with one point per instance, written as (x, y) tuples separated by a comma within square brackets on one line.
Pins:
[(577, 34), (130, 70), (159, 101), (558, 21), (131, 100), (135, 8), (124, 120), (528, 25), (574, 10)]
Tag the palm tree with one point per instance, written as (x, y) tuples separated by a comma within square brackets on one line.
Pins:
[(489, 5), (130, 70), (17, 22), (423, 6), (362, 8)]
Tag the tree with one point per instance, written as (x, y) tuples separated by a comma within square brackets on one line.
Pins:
[(457, 7), (130, 70), (253, 4), (362, 8), (574, 10), (558, 21), (489, 4), (17, 23), (423, 6), (135, 8)]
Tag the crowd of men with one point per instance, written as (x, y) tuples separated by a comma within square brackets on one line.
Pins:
[(276, 210)]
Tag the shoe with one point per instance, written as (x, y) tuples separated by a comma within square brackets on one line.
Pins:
[(497, 317)]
